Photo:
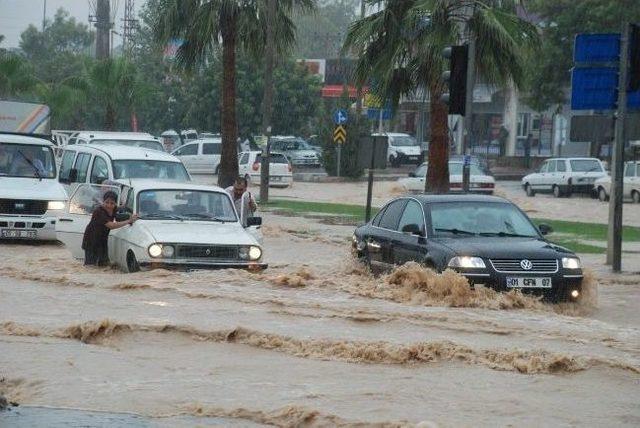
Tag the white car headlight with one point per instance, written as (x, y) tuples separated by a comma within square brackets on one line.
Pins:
[(243, 253), (467, 262), (571, 263), (55, 205), (255, 253), (155, 250), (168, 251)]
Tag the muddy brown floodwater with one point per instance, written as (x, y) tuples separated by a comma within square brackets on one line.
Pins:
[(313, 341)]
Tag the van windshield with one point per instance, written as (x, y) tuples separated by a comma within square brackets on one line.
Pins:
[(405, 141), (123, 169), (26, 160), (145, 144)]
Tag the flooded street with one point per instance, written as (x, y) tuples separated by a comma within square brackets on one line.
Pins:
[(312, 341)]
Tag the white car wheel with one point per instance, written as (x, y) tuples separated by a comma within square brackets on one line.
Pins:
[(602, 195), (132, 262), (556, 191), (635, 195), (529, 191), (248, 178)]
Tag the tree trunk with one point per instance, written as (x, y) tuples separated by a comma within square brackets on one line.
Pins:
[(110, 118), (267, 99), (229, 156), (438, 171)]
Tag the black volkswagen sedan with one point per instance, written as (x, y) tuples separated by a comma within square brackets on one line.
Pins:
[(487, 239)]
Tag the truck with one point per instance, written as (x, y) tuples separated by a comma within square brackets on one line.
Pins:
[(27, 118)]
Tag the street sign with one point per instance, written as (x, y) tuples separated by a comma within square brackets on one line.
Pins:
[(340, 117), (339, 135), (594, 48), (596, 88)]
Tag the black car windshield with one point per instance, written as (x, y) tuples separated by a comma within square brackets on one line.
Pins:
[(26, 160), (123, 169), (479, 218), (405, 141), (586, 165), (145, 144), (185, 204)]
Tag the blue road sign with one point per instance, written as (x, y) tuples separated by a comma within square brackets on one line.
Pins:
[(596, 88), (596, 48), (374, 114), (340, 117)]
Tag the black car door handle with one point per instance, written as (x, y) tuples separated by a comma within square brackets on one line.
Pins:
[(70, 220)]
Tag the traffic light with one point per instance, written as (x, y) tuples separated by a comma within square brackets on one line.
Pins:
[(634, 58), (456, 78)]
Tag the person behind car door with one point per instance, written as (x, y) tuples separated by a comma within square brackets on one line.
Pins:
[(245, 205), (96, 235)]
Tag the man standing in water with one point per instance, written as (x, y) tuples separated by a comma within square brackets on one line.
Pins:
[(96, 235), (245, 205)]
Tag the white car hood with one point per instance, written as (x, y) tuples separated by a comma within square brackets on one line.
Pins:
[(197, 232), (408, 150), (47, 189), (604, 180)]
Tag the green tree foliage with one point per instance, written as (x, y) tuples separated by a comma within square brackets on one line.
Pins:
[(16, 76), (549, 70)]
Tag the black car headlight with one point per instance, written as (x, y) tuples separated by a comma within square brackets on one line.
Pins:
[(571, 263), (467, 262)]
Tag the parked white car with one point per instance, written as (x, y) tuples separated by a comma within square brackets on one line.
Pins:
[(249, 165), (132, 139), (180, 225), (630, 187), (299, 152), (479, 182), (95, 163), (30, 196), (564, 176), (402, 148), (201, 156)]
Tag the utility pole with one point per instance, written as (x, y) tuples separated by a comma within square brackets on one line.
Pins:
[(359, 86), (103, 27), (44, 15), (614, 233), (267, 100), (128, 27), (468, 117)]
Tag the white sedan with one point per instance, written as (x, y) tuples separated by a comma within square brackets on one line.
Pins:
[(179, 225), (479, 182), (630, 186)]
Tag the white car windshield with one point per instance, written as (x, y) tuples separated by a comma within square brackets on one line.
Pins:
[(185, 204), (123, 169), (455, 168), (460, 219), (145, 144), (586, 165), (26, 160), (405, 141)]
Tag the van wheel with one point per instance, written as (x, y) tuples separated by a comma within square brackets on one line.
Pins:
[(132, 263), (556, 191), (529, 191), (393, 161), (635, 195), (217, 170), (602, 195)]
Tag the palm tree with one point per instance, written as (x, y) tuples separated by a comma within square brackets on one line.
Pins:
[(16, 76), (65, 102), (202, 25), (402, 45)]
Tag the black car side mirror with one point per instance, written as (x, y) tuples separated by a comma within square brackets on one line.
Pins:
[(412, 229), (254, 221), (412, 174), (122, 215), (545, 229)]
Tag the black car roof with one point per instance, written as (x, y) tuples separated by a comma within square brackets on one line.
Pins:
[(433, 198)]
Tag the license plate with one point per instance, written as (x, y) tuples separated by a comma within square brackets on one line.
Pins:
[(17, 233), (520, 282), (276, 178)]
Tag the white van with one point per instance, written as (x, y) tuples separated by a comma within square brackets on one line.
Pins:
[(133, 139), (95, 163), (30, 196), (201, 156), (402, 149)]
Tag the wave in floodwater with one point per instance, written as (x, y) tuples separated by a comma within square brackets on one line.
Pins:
[(378, 352)]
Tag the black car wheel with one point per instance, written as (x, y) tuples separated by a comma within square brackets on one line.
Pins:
[(602, 195), (394, 161), (635, 195), (132, 263), (529, 191), (556, 191)]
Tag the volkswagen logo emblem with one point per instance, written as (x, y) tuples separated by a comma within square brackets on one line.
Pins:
[(208, 252), (526, 264)]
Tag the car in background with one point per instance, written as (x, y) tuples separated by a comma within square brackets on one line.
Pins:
[(631, 183), (481, 161), (96, 163), (299, 152), (479, 181), (402, 149), (131, 139), (564, 176), (30, 196), (201, 156), (181, 225), (249, 165), (487, 239)]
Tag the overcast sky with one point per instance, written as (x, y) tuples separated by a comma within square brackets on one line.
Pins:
[(16, 15)]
